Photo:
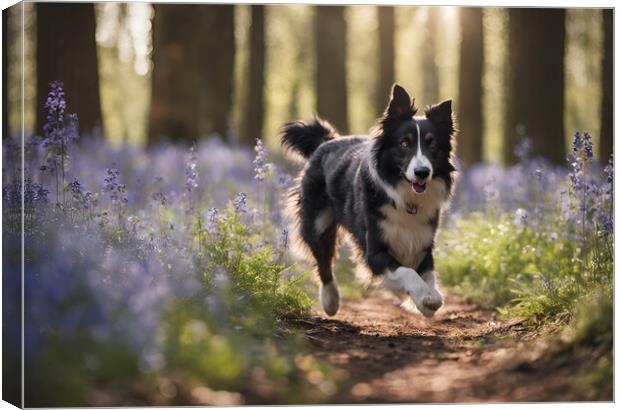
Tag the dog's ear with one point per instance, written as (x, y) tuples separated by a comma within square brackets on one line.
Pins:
[(400, 108), (441, 115)]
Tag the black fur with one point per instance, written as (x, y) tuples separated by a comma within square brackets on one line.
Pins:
[(337, 180), (305, 137)]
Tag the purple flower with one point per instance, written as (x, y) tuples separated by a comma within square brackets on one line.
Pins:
[(59, 128), (260, 165), (117, 191), (283, 239), (609, 169), (191, 174), (587, 145), (240, 203), (577, 143)]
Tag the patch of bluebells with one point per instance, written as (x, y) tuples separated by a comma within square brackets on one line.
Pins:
[(126, 275), (573, 201), (33, 193)]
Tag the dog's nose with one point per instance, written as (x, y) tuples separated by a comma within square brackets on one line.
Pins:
[(422, 172)]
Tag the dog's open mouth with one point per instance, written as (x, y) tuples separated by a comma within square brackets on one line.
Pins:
[(418, 188)]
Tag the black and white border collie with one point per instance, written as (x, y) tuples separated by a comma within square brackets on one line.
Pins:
[(385, 189)]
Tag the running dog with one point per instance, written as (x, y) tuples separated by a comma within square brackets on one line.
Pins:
[(385, 189)]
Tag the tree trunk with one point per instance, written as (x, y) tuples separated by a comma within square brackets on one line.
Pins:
[(430, 83), (220, 69), (6, 131), (385, 16), (66, 51), (331, 81), (535, 94), (193, 61), (470, 86), (606, 144), (255, 102)]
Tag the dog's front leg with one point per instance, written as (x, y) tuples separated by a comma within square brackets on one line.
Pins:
[(434, 300), (396, 276), (426, 298)]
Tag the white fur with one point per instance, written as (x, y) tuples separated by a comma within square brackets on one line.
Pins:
[(406, 280), (330, 298), (418, 160), (323, 221), (435, 298), (389, 190), (409, 235)]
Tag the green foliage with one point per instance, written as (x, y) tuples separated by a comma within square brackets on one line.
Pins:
[(256, 270), (77, 366), (228, 347), (525, 271), (593, 328)]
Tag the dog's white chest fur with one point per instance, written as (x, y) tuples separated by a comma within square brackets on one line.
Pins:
[(408, 235)]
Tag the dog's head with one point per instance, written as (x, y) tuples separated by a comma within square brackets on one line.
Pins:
[(414, 149)]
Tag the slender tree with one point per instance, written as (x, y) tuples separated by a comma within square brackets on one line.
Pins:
[(535, 95), (606, 144), (193, 61), (470, 86), (385, 17), (430, 83), (6, 131), (331, 81), (67, 51), (255, 101), (220, 69)]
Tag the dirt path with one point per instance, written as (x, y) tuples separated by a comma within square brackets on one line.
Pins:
[(464, 354)]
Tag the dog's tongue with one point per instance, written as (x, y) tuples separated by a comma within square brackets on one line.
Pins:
[(418, 188)]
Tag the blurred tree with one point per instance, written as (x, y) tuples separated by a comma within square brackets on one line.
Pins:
[(535, 94), (470, 86), (193, 69), (385, 17), (606, 145), (6, 131), (66, 51), (430, 81), (331, 81), (255, 101)]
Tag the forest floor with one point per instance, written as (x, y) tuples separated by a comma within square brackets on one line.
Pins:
[(464, 354)]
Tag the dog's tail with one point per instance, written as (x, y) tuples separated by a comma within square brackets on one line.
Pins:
[(304, 138)]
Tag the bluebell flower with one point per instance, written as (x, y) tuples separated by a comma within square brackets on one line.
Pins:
[(191, 174), (283, 239), (587, 145), (577, 143), (261, 166), (609, 169), (240, 203), (59, 128)]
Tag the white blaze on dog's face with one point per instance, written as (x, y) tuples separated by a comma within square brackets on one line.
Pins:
[(420, 170)]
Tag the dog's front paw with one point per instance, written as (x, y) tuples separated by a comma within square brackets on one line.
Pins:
[(430, 303), (330, 298)]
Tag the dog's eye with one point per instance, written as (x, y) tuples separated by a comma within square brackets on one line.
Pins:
[(404, 143), (428, 138)]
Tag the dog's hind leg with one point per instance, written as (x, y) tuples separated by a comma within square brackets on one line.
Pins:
[(319, 231)]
